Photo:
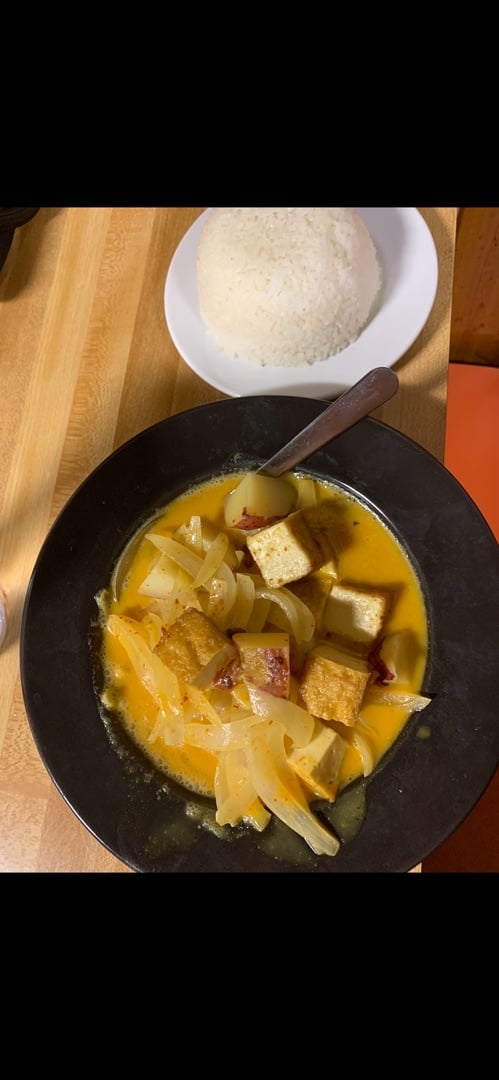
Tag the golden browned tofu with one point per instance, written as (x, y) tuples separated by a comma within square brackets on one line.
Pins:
[(191, 643), (332, 687), (314, 591), (322, 521), (285, 551), (355, 614), (318, 764)]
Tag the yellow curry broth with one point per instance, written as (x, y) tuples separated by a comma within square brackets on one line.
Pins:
[(368, 555)]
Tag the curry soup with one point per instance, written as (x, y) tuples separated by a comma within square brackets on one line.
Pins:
[(368, 556)]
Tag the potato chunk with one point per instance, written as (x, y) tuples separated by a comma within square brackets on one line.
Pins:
[(257, 501), (265, 661)]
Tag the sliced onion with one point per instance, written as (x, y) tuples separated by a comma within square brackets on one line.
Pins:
[(209, 534), (161, 683), (278, 788), (199, 536), (399, 651), (153, 626), (180, 554), (257, 815), (243, 603), (366, 755), (259, 615), (227, 594), (191, 534), (172, 592), (202, 704), (211, 562), (235, 795), (168, 727), (217, 601), (160, 580), (123, 566), (226, 707), (300, 618), (231, 736), (376, 695), (222, 586), (297, 722), (241, 695)]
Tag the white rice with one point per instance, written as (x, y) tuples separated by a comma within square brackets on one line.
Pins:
[(286, 286)]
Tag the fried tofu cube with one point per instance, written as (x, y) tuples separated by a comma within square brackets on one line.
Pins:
[(332, 685), (322, 521), (355, 614), (265, 661), (285, 551), (191, 644), (319, 763), (314, 592)]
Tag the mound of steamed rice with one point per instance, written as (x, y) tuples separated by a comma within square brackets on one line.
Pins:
[(286, 286)]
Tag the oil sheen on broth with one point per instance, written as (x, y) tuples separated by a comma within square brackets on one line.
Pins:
[(369, 556)]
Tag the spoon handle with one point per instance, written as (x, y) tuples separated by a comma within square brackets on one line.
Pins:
[(378, 386)]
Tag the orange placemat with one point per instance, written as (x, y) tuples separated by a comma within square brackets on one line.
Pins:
[(472, 435), (472, 455)]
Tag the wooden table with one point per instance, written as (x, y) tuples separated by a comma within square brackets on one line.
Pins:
[(86, 362), (474, 335)]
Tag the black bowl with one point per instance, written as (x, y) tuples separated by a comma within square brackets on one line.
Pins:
[(423, 788), (11, 218)]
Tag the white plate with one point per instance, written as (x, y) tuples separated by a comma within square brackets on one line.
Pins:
[(409, 264)]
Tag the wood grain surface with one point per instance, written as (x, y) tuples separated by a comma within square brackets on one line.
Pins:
[(86, 362), (474, 335)]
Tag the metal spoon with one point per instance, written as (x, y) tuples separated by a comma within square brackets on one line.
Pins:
[(378, 386)]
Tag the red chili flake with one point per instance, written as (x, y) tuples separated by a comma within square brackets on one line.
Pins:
[(384, 675)]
